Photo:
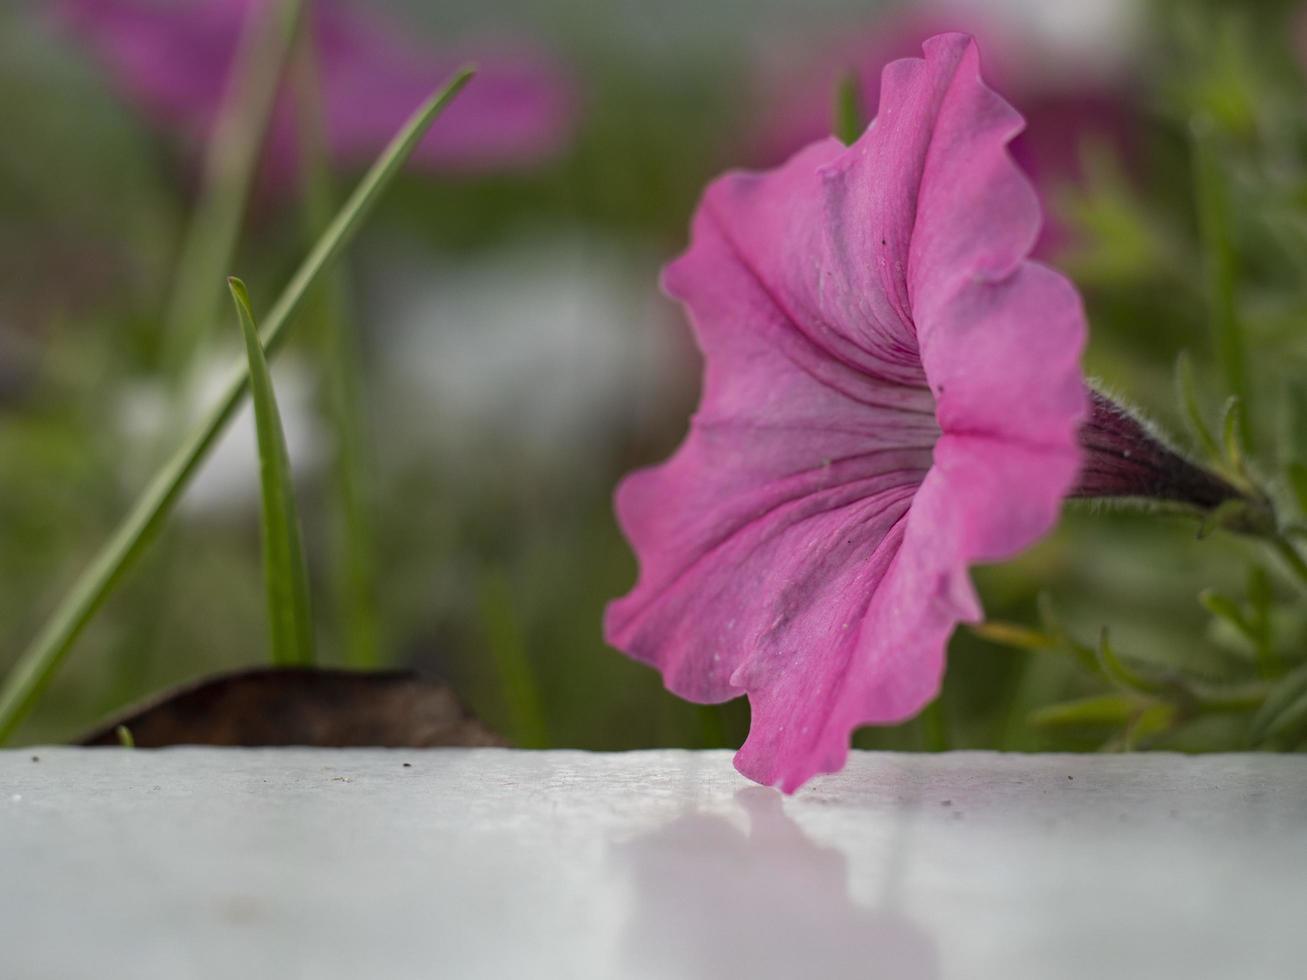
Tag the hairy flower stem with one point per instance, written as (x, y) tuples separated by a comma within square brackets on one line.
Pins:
[(1124, 459)]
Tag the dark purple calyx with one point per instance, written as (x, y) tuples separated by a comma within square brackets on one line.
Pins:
[(1124, 459)]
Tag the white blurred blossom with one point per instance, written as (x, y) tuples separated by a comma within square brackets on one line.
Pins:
[(156, 419), (551, 345)]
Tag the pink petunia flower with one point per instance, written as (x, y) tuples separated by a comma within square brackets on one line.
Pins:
[(1065, 100), (174, 60), (892, 393)]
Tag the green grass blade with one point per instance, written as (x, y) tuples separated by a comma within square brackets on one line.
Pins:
[(354, 568), (34, 669), (286, 575), (504, 636), (1222, 271), (230, 162)]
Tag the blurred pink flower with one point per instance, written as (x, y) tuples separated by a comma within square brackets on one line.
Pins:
[(1064, 103), (891, 394), (174, 59)]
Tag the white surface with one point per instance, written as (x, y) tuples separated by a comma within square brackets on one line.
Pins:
[(492, 863)]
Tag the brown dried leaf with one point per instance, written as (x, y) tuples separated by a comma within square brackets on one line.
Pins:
[(301, 706)]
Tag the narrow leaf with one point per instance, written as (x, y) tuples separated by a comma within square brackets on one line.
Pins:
[(34, 669), (1190, 408), (1284, 709), (1117, 672), (1229, 515), (1106, 710), (285, 572), (1013, 635), (1232, 425), (1223, 607), (1153, 719)]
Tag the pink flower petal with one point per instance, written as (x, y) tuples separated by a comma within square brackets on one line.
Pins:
[(1064, 105), (174, 60), (891, 394)]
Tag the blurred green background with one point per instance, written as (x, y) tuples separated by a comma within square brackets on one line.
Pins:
[(515, 357)]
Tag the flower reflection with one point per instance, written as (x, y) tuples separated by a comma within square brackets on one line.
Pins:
[(715, 901)]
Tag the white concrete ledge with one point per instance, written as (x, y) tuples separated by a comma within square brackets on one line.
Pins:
[(493, 863)]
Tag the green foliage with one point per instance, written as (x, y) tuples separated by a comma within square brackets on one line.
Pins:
[(286, 574), (35, 668)]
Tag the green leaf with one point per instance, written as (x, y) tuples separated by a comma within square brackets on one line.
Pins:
[(1284, 710), (125, 737), (33, 670), (850, 121), (286, 575), (1014, 635), (1232, 424), (1239, 515), (1117, 672), (1223, 607), (1154, 719), (1190, 409), (1106, 710)]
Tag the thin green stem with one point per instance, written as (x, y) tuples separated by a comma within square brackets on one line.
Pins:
[(355, 571), (934, 726), (504, 637), (1214, 221), (34, 669), (232, 156)]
